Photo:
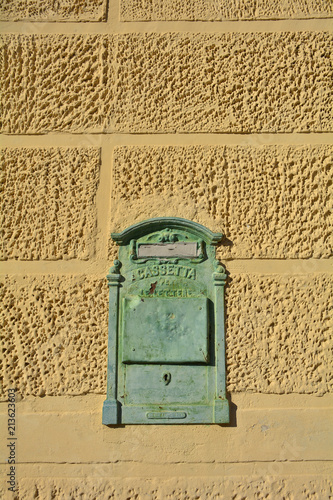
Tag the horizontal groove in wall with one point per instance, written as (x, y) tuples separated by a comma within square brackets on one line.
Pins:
[(237, 266), (98, 140), (272, 266), (113, 26), (178, 469), (246, 401), (15, 267)]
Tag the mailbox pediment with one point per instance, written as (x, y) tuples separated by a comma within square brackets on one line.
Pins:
[(158, 224)]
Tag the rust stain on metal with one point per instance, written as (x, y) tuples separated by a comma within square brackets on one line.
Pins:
[(152, 288), (205, 357)]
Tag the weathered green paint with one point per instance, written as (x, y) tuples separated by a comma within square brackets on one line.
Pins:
[(166, 356), (161, 330)]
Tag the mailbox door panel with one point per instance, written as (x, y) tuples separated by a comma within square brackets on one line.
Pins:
[(162, 330)]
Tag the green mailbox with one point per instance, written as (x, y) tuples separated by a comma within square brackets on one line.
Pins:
[(166, 345)]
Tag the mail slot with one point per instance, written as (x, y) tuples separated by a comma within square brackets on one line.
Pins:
[(166, 344)]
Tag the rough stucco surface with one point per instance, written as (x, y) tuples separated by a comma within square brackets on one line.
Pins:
[(217, 10), (271, 201), (177, 488), (49, 10), (254, 82), (48, 203), (54, 82), (55, 334), (107, 123), (278, 338)]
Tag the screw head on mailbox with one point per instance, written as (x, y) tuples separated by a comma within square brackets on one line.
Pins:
[(166, 343)]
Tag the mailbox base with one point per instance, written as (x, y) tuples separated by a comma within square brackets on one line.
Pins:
[(221, 411), (111, 412), (176, 414)]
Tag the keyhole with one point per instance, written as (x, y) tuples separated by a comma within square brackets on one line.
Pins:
[(167, 378)]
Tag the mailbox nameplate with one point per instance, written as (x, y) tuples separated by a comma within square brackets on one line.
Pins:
[(179, 249)]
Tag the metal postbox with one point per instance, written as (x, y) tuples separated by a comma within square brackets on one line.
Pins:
[(166, 352)]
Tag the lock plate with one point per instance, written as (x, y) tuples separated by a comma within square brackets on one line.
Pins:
[(188, 384)]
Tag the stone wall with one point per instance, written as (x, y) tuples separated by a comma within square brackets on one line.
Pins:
[(115, 112)]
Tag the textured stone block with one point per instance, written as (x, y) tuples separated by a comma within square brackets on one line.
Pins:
[(277, 331), (48, 206), (270, 201), (279, 202), (48, 10), (55, 82), (176, 488), (253, 82), (219, 10), (55, 334)]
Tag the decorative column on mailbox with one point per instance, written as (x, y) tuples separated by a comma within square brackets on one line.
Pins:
[(166, 354)]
